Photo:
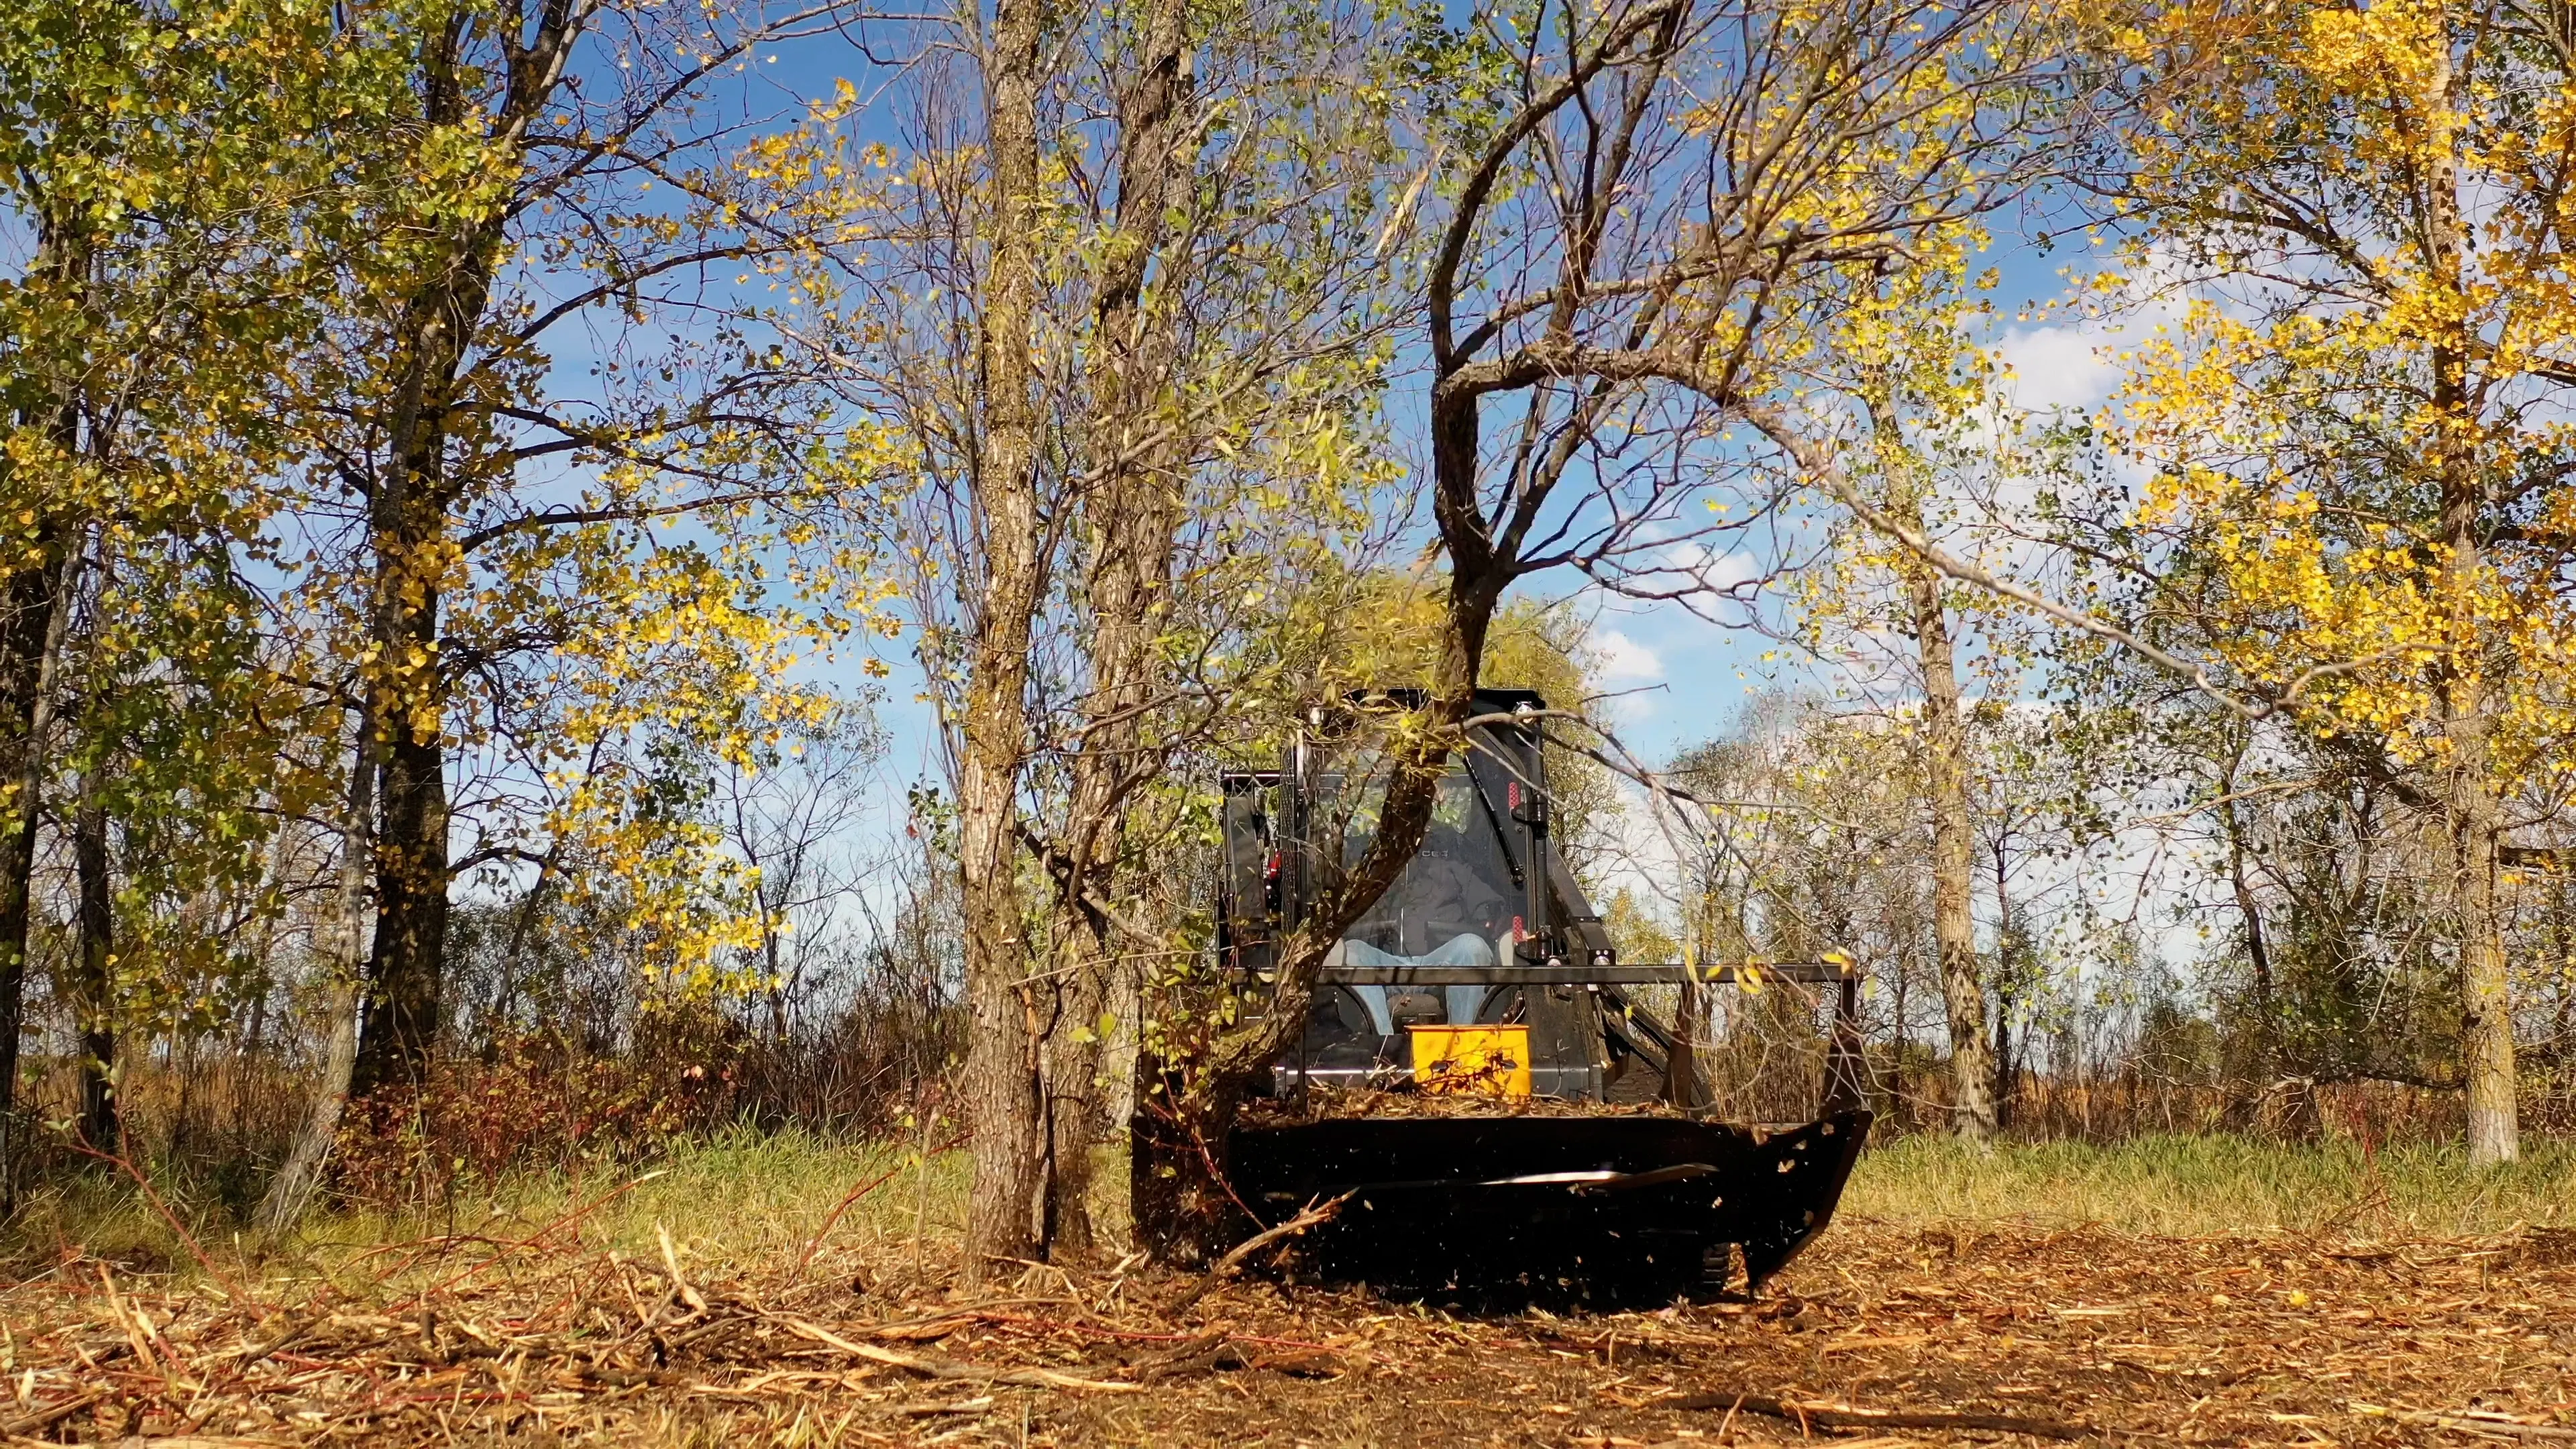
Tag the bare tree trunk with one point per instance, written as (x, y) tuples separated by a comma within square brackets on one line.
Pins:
[(292, 1189), (2010, 961), (2560, 938), (1682, 1083), (2485, 985), (31, 646), (37, 600), (1945, 751), (93, 981), (407, 967), (406, 697), (2284, 1106), (1003, 1031), (1134, 518), (2258, 949), (1072, 1107), (406, 689)]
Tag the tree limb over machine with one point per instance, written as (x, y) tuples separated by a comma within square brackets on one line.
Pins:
[(1487, 936)]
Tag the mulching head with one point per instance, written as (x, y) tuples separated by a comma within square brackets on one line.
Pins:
[(1600, 1211)]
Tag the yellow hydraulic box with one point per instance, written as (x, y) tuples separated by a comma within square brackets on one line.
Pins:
[(1490, 1059)]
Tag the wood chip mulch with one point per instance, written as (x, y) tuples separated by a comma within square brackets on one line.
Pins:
[(1337, 1104), (1883, 1335)]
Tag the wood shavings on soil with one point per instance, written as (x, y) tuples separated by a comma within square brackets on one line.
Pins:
[(1335, 1104), (1880, 1336)]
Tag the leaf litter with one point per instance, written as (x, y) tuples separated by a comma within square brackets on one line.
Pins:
[(1883, 1335)]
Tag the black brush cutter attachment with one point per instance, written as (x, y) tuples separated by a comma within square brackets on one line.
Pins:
[(1597, 1210), (1488, 937)]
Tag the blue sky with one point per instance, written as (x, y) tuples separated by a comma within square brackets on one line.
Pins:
[(1681, 678)]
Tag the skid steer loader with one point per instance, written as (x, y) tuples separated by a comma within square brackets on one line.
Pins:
[(1484, 970)]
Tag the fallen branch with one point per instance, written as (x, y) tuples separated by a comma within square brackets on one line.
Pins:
[(671, 1266), (1326, 1364), (2474, 1421), (940, 1368), (942, 1324), (865, 1186), (957, 1406), (44, 1419), (1846, 1416), (1236, 1256), (1206, 1352), (292, 1327), (576, 1215)]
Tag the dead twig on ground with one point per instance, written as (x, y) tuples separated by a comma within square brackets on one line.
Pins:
[(43, 1419), (865, 1186), (1241, 1253), (671, 1265), (2476, 1421), (1850, 1416), (939, 1368)]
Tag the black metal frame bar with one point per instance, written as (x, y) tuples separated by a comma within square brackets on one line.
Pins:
[(1577, 974)]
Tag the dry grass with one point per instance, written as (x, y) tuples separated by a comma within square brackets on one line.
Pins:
[(738, 1200), (2216, 1184), (1954, 1288)]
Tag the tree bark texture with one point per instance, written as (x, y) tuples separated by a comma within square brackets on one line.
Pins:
[(1682, 1085), (292, 1189), (1954, 930), (31, 641), (37, 604), (1002, 1087), (2249, 910), (405, 698), (93, 978), (2487, 1047), (1133, 515), (2285, 1105)]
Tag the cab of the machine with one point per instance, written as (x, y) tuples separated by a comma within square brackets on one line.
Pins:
[(1467, 936)]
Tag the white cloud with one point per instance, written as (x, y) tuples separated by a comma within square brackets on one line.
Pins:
[(1705, 566), (1624, 659), (2078, 363), (2059, 367)]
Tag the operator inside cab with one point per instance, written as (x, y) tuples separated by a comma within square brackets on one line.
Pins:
[(1451, 907)]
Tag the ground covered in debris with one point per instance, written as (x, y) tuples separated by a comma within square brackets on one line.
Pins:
[(1885, 1333), (1332, 1104)]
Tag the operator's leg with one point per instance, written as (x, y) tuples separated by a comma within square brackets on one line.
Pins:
[(1464, 949), (1361, 953)]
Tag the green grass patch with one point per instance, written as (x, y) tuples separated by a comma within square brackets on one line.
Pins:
[(747, 1198), (739, 1198), (2214, 1184)]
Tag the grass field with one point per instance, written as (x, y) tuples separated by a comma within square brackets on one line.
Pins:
[(2189, 1185), (2173, 1290), (744, 1198)]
